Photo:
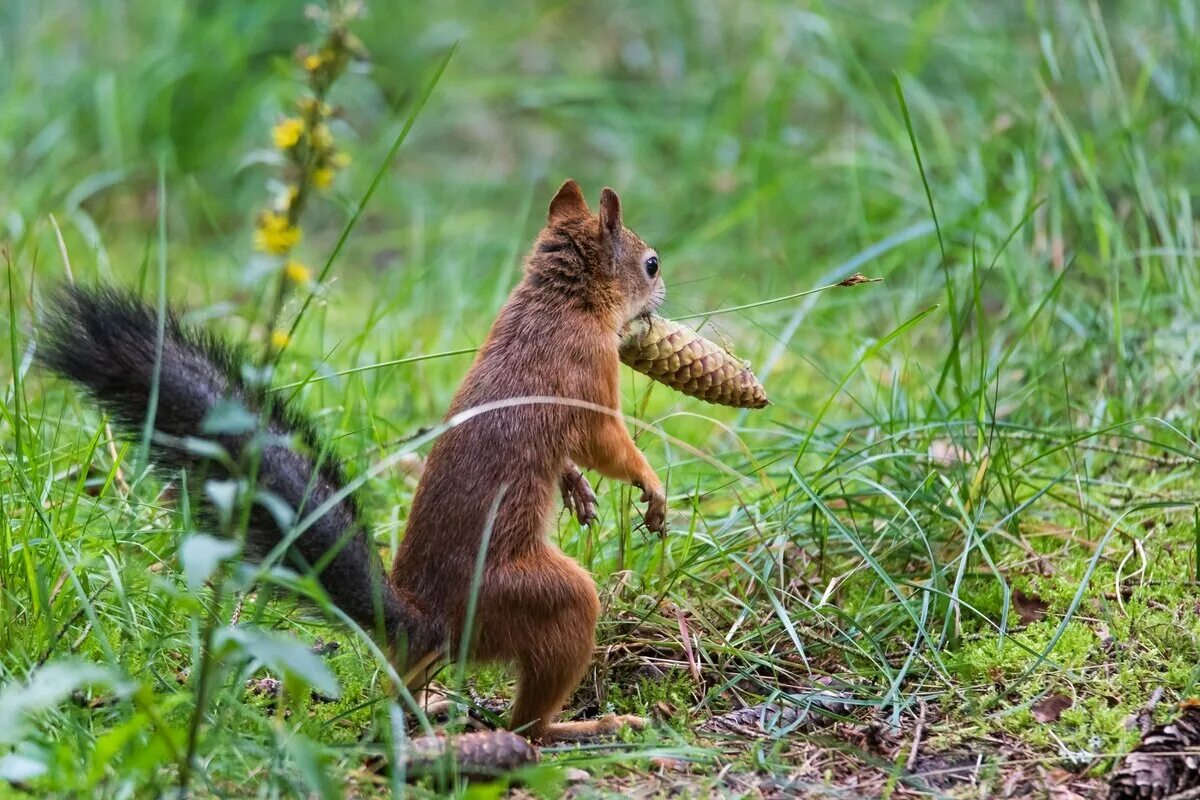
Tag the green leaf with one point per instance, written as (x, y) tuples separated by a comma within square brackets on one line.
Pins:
[(46, 688), (228, 417), (258, 376), (284, 656), (311, 763), (283, 514), (16, 768), (223, 496), (207, 449), (201, 554), (110, 745)]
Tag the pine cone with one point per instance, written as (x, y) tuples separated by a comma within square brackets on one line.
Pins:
[(476, 755), (1165, 762), (677, 356)]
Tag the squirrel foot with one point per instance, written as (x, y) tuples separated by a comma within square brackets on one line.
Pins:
[(591, 728), (577, 495)]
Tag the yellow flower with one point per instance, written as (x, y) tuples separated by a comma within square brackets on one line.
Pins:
[(287, 133), (340, 160), (275, 234), (280, 339), (322, 177), (313, 62), (297, 272), (322, 138)]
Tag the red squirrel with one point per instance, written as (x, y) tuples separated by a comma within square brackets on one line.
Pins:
[(557, 336), (496, 470)]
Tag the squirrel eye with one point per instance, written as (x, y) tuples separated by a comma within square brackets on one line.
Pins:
[(652, 266)]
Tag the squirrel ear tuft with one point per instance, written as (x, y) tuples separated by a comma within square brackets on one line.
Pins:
[(610, 213), (568, 203)]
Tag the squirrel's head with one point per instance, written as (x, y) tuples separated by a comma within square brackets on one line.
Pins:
[(594, 260)]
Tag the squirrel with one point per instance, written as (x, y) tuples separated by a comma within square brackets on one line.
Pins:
[(489, 479)]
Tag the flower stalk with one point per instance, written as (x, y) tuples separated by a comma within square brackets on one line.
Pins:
[(312, 159)]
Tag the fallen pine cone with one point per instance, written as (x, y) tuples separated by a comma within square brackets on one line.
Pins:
[(475, 755), (677, 356), (1165, 762)]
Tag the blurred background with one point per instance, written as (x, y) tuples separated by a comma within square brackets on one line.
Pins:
[(757, 145)]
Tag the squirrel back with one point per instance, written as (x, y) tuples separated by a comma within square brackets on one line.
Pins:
[(137, 366)]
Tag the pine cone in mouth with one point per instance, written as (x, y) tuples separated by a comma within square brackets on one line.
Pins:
[(676, 355)]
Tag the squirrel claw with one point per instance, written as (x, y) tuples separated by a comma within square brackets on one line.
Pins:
[(656, 511), (578, 496)]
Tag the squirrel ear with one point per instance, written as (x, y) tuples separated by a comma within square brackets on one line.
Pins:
[(568, 203), (610, 213)]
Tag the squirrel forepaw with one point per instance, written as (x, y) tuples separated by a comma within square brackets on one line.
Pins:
[(656, 510), (578, 496)]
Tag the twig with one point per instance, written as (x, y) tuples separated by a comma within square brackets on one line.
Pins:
[(685, 637), (236, 616), (916, 742), (62, 631), (853, 280), (1145, 717)]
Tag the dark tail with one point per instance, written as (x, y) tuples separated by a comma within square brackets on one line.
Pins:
[(108, 342)]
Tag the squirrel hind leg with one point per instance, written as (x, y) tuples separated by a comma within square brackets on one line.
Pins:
[(539, 613), (541, 694), (543, 689)]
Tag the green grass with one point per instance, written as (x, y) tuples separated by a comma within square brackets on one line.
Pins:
[(1011, 410)]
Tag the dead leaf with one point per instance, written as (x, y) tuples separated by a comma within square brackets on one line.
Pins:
[(1029, 607), (1014, 784), (685, 637), (1050, 708), (1061, 785), (575, 775), (667, 764)]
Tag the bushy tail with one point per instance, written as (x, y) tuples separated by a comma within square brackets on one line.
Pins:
[(110, 343)]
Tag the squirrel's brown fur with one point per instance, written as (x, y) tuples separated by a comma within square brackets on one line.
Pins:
[(556, 337)]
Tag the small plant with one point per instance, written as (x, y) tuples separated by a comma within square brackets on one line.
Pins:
[(312, 158)]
